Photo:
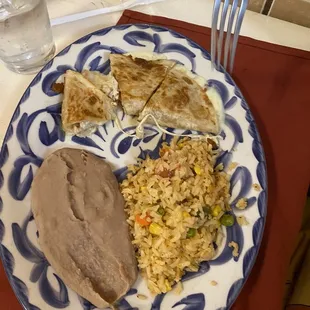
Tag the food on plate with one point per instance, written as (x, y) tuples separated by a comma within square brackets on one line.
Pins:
[(178, 288), (180, 102), (227, 220), (232, 166), (137, 79), (219, 167), (174, 206), (106, 83), (58, 87), (242, 203), (235, 248), (256, 187), (141, 296), (79, 213), (242, 221), (84, 106), (156, 89)]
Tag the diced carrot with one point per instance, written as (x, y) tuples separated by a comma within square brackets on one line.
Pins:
[(163, 151), (143, 221)]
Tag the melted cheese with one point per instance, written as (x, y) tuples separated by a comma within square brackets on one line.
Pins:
[(146, 55), (211, 93)]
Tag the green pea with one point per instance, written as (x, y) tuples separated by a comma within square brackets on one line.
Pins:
[(198, 213), (206, 210), (160, 211), (227, 220), (191, 233)]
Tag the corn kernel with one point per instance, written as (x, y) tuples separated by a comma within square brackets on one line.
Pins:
[(142, 297), (178, 288), (155, 229), (216, 210), (197, 170), (168, 286), (143, 188), (180, 145), (186, 215)]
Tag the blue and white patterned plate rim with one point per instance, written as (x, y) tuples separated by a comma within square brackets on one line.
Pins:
[(238, 285)]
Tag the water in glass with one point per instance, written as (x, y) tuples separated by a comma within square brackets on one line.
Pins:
[(26, 41)]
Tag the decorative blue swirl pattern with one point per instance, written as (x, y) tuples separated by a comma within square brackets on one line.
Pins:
[(134, 37), (49, 132), (57, 299), (19, 188), (192, 302), (122, 304)]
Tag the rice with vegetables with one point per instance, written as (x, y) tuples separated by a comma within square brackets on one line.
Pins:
[(176, 205)]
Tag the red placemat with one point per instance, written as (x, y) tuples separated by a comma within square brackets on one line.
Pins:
[(275, 82), (8, 300)]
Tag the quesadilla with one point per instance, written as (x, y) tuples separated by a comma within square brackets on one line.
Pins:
[(137, 79), (180, 102), (84, 106), (106, 83)]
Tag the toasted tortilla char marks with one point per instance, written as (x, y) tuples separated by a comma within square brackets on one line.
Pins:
[(106, 83), (137, 79), (93, 99), (187, 80), (147, 64), (180, 102), (83, 102)]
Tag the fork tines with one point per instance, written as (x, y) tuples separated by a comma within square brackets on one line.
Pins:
[(233, 21)]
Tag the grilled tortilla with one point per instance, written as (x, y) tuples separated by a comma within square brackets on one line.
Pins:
[(84, 106), (106, 83), (137, 79), (180, 102)]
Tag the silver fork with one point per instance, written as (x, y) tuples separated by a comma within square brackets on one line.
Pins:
[(218, 38)]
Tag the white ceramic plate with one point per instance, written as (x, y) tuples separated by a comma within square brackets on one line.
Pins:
[(35, 132)]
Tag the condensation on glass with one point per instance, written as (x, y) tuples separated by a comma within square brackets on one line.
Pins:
[(26, 40)]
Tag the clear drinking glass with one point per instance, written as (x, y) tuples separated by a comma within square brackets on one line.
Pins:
[(26, 40)]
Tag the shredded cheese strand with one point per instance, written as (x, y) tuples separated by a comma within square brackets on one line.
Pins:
[(193, 136), (119, 126), (140, 130)]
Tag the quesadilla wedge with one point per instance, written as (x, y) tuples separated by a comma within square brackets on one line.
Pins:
[(84, 106), (137, 79), (106, 83), (180, 102)]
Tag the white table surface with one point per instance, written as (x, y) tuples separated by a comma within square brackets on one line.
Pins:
[(255, 25)]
